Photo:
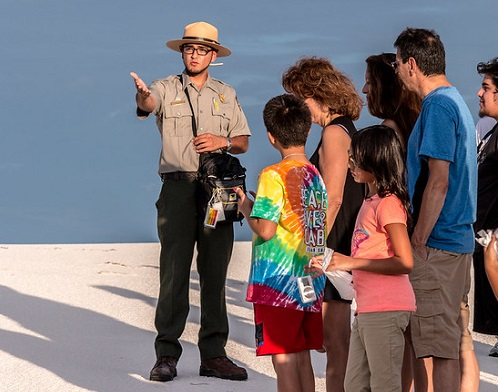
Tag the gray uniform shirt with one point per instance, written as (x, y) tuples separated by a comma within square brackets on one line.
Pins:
[(217, 111)]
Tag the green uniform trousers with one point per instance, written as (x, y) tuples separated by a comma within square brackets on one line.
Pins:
[(180, 228)]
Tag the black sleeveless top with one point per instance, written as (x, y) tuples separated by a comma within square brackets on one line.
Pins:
[(339, 238)]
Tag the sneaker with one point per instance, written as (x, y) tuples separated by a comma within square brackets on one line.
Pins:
[(164, 369), (494, 350), (222, 367)]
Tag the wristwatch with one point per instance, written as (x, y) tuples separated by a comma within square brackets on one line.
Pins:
[(229, 144)]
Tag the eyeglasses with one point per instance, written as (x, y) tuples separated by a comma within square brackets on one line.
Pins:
[(200, 51), (395, 65)]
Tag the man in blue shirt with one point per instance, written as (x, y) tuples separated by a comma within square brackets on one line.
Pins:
[(442, 181)]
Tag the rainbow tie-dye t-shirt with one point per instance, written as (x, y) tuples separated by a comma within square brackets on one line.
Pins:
[(291, 194)]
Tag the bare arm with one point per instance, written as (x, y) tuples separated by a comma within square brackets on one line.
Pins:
[(263, 228), (209, 142), (400, 263), (240, 144), (334, 168), (491, 265), (145, 100), (432, 204)]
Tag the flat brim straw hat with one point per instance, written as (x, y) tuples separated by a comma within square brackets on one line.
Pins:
[(201, 33)]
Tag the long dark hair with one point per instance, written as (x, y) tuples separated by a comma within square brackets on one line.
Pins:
[(378, 150), (387, 98)]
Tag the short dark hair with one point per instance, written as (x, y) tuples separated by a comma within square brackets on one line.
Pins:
[(288, 119), (491, 69), (425, 47)]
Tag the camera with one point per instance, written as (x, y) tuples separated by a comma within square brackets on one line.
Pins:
[(306, 289)]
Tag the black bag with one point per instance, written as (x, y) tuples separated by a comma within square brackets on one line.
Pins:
[(219, 173)]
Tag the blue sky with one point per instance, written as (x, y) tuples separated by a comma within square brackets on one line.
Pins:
[(76, 166)]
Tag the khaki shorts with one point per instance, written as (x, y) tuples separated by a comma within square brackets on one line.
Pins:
[(441, 284)]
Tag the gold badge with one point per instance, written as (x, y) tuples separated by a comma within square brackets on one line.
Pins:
[(222, 98), (177, 101)]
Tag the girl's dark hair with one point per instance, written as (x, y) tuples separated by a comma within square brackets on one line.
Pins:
[(387, 99), (378, 150)]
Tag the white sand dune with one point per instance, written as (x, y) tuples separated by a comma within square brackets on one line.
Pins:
[(80, 318)]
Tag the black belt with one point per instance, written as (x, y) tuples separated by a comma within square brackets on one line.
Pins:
[(186, 176)]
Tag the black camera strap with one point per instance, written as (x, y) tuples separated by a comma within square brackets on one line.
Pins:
[(194, 124)]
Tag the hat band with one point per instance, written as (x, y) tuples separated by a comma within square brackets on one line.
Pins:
[(202, 39)]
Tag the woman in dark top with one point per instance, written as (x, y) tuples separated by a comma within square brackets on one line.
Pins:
[(334, 104)]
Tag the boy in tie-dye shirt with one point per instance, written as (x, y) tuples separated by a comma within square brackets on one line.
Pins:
[(288, 217)]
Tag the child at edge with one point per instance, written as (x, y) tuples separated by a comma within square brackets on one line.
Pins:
[(380, 261), (288, 218)]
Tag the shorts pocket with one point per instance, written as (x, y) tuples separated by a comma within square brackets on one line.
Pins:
[(428, 297), (430, 308)]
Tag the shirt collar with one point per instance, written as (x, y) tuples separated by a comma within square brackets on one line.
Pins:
[(208, 84)]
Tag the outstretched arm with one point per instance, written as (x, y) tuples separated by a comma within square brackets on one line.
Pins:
[(145, 100)]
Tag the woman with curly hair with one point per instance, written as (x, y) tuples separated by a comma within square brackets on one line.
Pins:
[(334, 104)]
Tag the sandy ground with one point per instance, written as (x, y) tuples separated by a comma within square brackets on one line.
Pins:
[(80, 318)]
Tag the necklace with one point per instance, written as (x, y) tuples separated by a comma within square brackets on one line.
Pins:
[(292, 155)]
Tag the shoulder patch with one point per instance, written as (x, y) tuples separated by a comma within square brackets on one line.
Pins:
[(218, 81)]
